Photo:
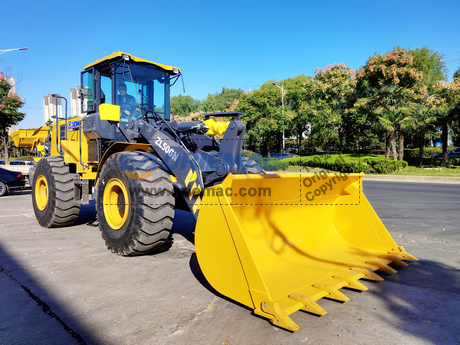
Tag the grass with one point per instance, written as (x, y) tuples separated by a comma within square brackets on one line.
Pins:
[(430, 171)]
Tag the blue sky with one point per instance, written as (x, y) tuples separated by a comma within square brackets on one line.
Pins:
[(233, 44)]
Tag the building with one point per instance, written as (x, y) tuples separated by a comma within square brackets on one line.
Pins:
[(53, 105)]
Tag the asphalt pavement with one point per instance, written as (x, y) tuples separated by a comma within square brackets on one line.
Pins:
[(62, 286)]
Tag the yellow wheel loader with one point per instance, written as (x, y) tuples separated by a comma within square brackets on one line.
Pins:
[(275, 243)]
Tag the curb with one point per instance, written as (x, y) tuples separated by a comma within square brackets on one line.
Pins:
[(414, 178)]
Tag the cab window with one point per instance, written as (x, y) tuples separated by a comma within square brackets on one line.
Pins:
[(87, 89)]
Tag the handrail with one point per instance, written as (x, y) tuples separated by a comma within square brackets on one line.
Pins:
[(58, 139)]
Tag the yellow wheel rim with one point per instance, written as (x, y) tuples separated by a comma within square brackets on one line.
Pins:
[(116, 203), (41, 192)]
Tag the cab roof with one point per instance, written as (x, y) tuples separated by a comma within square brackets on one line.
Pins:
[(117, 55)]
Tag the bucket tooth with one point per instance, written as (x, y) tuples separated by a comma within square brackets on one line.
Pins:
[(368, 274), (309, 304), (352, 283), (404, 255), (382, 266), (394, 259), (333, 292), (279, 316)]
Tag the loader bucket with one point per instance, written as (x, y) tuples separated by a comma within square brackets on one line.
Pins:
[(30, 138), (279, 243)]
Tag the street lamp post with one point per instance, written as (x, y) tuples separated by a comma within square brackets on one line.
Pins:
[(282, 104), (2, 51)]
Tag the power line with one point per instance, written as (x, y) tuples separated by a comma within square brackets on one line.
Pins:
[(452, 61), (451, 54)]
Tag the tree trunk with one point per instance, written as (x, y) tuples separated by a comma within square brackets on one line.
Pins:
[(421, 146), (444, 136), (392, 138), (388, 145), (401, 145), (299, 142), (5, 147), (340, 141)]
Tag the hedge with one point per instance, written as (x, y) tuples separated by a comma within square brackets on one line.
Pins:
[(272, 164), (353, 163), (268, 164), (427, 151), (414, 161), (350, 163)]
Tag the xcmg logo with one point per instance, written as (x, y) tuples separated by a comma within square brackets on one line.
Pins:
[(73, 125)]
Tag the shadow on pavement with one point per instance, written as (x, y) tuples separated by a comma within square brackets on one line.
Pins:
[(198, 274), (184, 225), (23, 191), (87, 214), (30, 314), (424, 302)]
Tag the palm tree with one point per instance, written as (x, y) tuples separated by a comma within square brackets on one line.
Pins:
[(423, 121), (395, 122), (393, 116)]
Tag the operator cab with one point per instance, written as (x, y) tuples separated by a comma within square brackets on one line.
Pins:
[(134, 84)]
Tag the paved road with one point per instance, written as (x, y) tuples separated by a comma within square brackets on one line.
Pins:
[(418, 209), (61, 286)]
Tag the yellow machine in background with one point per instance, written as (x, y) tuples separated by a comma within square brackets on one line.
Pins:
[(32, 139), (275, 243)]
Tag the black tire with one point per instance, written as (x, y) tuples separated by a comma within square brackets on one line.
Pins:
[(142, 223), (3, 189), (252, 166), (53, 193)]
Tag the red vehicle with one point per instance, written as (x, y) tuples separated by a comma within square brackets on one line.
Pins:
[(380, 152)]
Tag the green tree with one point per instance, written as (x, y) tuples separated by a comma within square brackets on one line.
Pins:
[(335, 86), (300, 108), (430, 63), (9, 115), (262, 118), (184, 105), (457, 73), (448, 95), (423, 121), (393, 116), (221, 101), (295, 121), (388, 85)]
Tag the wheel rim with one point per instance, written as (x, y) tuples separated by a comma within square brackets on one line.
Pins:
[(41, 192), (116, 203)]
